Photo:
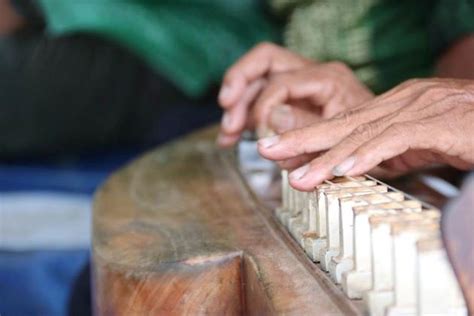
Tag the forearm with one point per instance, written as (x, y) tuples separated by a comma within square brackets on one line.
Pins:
[(10, 20), (458, 61)]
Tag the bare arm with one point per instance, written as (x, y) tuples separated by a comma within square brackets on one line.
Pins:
[(10, 21)]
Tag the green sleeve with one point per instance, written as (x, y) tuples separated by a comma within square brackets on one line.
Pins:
[(191, 42), (452, 19)]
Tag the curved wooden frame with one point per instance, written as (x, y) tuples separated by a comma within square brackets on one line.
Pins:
[(179, 232)]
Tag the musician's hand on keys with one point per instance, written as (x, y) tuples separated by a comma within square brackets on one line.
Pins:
[(315, 92), (416, 124), (244, 81), (256, 92)]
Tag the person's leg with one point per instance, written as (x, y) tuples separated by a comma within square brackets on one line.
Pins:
[(80, 302), (62, 94)]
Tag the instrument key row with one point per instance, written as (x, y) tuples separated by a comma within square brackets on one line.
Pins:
[(378, 243)]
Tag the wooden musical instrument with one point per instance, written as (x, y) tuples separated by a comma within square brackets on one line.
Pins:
[(181, 231)]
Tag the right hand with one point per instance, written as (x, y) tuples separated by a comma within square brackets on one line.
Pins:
[(416, 124), (257, 89)]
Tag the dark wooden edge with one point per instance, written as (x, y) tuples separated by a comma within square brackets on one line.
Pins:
[(348, 306)]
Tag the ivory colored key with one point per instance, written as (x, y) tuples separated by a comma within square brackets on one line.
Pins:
[(405, 236), (434, 270), (310, 235), (381, 295), (344, 262), (316, 240), (285, 197), (359, 280), (332, 217), (298, 224), (321, 198), (293, 207)]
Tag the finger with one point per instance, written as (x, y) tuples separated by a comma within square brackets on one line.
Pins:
[(323, 168), (285, 117), (234, 119), (336, 160), (263, 59), (227, 140), (296, 162), (327, 133), (307, 140), (287, 88), (311, 139), (393, 141)]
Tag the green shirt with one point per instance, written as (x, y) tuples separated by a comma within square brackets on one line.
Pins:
[(384, 41), (191, 42)]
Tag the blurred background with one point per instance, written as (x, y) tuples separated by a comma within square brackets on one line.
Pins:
[(85, 86)]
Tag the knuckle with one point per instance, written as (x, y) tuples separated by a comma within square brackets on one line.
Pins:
[(351, 118), (339, 66), (345, 117), (415, 84), (275, 89), (265, 47), (365, 131), (410, 82), (354, 138), (434, 92), (280, 79), (399, 128), (403, 129)]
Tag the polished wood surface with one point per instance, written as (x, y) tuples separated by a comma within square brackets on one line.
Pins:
[(178, 231)]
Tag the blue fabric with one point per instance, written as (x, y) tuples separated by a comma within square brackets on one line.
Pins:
[(78, 175), (38, 282)]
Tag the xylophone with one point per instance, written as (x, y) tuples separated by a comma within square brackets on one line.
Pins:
[(189, 229), (380, 244)]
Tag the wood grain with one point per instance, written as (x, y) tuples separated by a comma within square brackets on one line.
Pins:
[(178, 232)]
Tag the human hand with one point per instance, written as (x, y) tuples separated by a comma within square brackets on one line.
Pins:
[(273, 88), (243, 82), (418, 123)]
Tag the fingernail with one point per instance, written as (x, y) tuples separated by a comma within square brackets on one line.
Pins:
[(269, 141), (282, 117), (224, 93), (226, 120), (299, 173), (344, 167)]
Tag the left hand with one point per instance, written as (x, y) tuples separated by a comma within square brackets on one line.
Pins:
[(298, 98), (416, 124)]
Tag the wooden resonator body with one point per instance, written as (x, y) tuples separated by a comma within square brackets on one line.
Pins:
[(179, 232)]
